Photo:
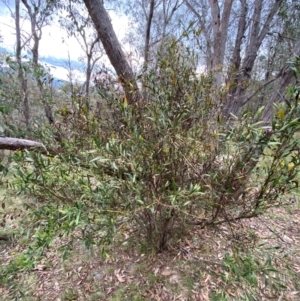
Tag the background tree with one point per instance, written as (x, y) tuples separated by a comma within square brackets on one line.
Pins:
[(288, 76), (21, 74), (148, 33), (113, 48), (39, 13), (79, 24), (216, 43), (246, 24), (259, 26), (151, 22)]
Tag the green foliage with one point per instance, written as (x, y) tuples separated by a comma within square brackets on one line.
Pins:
[(251, 272), (70, 295), (9, 94), (161, 167), (19, 263), (39, 92)]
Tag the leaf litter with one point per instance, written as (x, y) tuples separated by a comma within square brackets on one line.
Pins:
[(192, 270)]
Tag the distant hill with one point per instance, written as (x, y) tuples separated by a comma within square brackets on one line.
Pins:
[(3, 50), (58, 62), (57, 66)]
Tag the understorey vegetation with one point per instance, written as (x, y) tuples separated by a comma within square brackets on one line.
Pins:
[(161, 167), (164, 165)]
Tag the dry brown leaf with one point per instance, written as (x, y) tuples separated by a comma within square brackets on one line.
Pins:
[(287, 239), (167, 271), (120, 277), (204, 294), (40, 267), (294, 293), (207, 278), (174, 279)]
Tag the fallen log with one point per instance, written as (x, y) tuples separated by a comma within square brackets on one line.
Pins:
[(20, 144)]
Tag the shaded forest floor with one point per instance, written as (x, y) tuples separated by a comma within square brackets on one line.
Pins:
[(267, 266)]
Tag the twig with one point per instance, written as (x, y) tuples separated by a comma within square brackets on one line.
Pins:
[(280, 297), (209, 261), (260, 88), (4, 238)]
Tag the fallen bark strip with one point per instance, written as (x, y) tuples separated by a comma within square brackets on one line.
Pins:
[(20, 144)]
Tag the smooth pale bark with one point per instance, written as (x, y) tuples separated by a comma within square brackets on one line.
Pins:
[(91, 61), (21, 75), (216, 45), (258, 32), (82, 24), (220, 29), (37, 21), (19, 144), (22, 144), (204, 30), (287, 78), (113, 49), (257, 35), (257, 25)]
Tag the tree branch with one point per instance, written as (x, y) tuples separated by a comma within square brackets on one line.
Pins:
[(19, 144)]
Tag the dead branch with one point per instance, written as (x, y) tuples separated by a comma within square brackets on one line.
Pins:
[(19, 144), (22, 144)]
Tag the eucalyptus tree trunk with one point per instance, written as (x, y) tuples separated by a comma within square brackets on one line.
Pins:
[(21, 75), (36, 32), (148, 34), (235, 62), (216, 44), (220, 30), (113, 49), (215, 19), (90, 64), (204, 29), (80, 26), (258, 32)]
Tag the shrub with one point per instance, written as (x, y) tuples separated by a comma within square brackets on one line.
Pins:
[(155, 169)]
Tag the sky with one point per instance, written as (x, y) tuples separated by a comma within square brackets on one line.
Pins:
[(55, 43)]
